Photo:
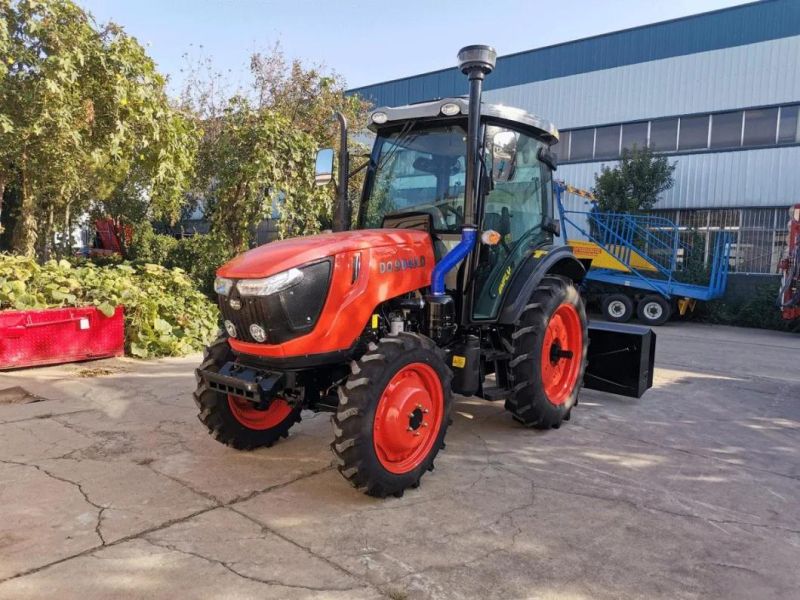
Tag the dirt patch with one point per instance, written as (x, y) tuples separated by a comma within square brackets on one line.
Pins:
[(18, 395), (96, 372)]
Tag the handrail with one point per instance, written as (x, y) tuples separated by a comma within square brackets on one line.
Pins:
[(655, 239)]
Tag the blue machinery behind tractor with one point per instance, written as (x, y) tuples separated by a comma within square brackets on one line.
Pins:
[(635, 260)]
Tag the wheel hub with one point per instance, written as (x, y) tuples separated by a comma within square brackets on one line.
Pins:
[(408, 417), (616, 308), (563, 341)]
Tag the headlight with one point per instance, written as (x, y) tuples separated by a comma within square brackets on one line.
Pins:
[(270, 285), (223, 286)]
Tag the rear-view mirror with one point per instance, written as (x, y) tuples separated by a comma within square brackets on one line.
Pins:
[(323, 170)]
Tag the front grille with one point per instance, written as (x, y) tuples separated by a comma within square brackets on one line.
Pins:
[(253, 310), (285, 315)]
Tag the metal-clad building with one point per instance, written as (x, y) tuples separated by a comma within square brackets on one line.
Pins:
[(718, 91)]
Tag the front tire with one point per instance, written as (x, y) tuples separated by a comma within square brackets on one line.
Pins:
[(550, 342), (235, 421), (394, 410)]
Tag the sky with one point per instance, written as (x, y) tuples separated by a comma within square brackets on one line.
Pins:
[(368, 42)]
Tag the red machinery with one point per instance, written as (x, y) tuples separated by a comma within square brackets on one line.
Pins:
[(30, 338), (789, 297)]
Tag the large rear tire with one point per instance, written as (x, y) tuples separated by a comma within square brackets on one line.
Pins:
[(550, 342), (235, 421), (393, 414)]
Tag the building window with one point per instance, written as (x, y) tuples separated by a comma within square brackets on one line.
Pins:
[(606, 143), (726, 130), (561, 149), (760, 126), (635, 135), (664, 135), (581, 144), (789, 130), (693, 134), (753, 128)]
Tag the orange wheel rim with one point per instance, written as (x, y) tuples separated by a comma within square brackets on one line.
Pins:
[(562, 353), (245, 412), (408, 418)]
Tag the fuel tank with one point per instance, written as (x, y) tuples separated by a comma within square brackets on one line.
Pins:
[(347, 274)]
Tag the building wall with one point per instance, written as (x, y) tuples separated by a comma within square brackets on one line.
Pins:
[(745, 178), (744, 76), (734, 59)]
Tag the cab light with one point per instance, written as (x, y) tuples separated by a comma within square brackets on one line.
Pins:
[(380, 118), (450, 109)]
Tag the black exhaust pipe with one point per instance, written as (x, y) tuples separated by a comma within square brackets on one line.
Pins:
[(476, 62)]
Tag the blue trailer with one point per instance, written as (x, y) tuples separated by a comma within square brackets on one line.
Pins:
[(636, 260)]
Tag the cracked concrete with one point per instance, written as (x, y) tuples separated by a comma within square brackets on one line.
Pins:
[(110, 488)]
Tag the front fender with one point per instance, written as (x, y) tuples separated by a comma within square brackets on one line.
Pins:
[(556, 261)]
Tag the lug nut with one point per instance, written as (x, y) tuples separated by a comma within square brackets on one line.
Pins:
[(424, 424), (425, 411)]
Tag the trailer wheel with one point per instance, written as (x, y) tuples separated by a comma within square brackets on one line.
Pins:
[(393, 414), (617, 308), (235, 421), (550, 343), (654, 310)]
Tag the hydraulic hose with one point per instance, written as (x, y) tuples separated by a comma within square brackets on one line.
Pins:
[(451, 259)]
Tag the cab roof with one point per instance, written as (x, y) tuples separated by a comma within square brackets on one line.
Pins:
[(433, 109)]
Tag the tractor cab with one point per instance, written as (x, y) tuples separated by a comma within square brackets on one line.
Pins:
[(416, 178)]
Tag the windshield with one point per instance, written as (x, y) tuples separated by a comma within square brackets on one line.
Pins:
[(419, 171)]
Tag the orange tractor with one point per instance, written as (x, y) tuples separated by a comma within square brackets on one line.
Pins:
[(451, 283)]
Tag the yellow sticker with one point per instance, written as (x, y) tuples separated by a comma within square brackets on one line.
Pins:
[(539, 253), (459, 361), (374, 321), (504, 280)]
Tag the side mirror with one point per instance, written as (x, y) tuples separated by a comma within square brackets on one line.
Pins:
[(323, 170), (548, 158)]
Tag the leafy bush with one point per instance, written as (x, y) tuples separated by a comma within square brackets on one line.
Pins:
[(200, 256), (757, 310), (150, 247), (165, 315)]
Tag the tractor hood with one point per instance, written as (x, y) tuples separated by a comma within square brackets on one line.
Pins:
[(279, 256)]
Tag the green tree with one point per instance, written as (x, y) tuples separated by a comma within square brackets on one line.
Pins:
[(284, 100), (253, 159), (83, 113), (635, 183)]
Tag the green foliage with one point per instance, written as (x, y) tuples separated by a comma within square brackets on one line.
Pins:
[(200, 256), (258, 147), (255, 158), (164, 314), (150, 247), (758, 309), (635, 183), (84, 120)]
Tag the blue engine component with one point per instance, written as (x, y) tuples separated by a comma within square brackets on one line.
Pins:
[(451, 259)]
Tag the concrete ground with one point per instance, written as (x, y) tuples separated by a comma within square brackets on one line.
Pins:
[(111, 488)]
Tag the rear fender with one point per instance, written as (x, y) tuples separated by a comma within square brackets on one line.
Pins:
[(557, 261)]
